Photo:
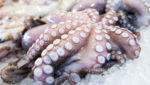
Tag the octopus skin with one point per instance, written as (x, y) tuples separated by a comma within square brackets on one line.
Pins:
[(82, 39)]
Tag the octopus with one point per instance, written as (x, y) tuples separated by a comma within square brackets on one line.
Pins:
[(81, 41), (135, 15)]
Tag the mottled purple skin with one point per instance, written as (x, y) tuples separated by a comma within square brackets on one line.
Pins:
[(84, 4), (32, 35)]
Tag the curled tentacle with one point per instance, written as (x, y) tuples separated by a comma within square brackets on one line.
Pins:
[(119, 57), (126, 41), (124, 21), (57, 52), (110, 18), (13, 74)]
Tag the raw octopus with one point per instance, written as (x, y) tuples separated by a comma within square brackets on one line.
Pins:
[(80, 41)]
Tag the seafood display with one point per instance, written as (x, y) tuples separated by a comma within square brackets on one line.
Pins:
[(64, 40)]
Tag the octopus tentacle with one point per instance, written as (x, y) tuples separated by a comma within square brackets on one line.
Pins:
[(58, 51), (124, 21), (32, 35), (97, 46), (119, 57), (13, 74), (49, 36), (93, 14), (110, 18), (126, 40)]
